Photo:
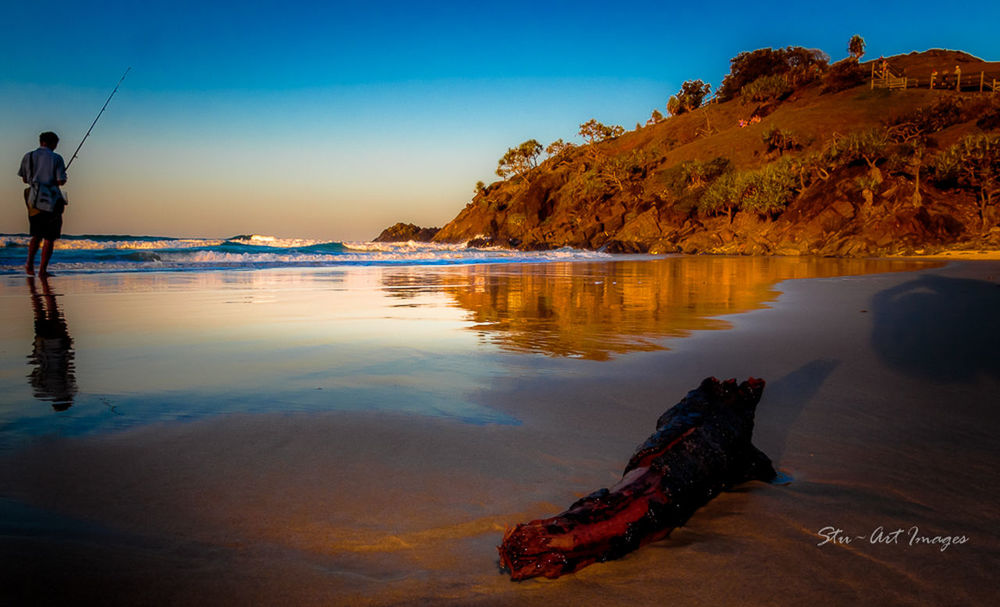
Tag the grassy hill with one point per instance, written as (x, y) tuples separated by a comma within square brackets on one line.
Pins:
[(784, 164)]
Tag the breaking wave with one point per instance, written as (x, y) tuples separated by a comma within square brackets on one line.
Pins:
[(123, 253)]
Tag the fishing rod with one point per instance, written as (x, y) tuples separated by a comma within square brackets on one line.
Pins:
[(98, 117)]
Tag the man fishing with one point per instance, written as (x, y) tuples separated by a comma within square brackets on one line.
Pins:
[(44, 171)]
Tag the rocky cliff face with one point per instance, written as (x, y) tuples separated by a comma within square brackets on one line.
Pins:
[(854, 172)]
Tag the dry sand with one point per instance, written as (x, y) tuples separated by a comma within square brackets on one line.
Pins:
[(881, 403)]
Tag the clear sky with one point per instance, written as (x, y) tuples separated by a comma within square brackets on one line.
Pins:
[(335, 119)]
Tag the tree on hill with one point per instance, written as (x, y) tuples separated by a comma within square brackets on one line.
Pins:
[(805, 65), (799, 65), (856, 47), (692, 93), (722, 196), (870, 145), (595, 132), (519, 160), (765, 191), (558, 147)]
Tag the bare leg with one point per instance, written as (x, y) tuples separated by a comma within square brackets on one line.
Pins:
[(46, 255), (29, 266)]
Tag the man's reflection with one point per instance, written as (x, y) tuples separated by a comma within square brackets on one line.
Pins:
[(52, 357)]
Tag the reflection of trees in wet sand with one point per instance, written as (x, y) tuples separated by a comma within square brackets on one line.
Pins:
[(51, 358), (595, 310)]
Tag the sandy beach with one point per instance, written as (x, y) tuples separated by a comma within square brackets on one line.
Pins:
[(365, 438)]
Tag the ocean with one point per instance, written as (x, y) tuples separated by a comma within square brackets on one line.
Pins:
[(124, 253)]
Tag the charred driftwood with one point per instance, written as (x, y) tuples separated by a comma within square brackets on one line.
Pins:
[(701, 447)]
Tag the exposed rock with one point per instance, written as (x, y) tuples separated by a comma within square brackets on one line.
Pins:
[(845, 208), (405, 232), (643, 228)]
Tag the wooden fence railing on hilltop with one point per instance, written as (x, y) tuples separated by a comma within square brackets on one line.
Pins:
[(884, 77)]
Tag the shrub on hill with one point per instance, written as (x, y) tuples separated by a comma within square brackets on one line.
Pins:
[(806, 169), (805, 65), (780, 140), (558, 147), (692, 93), (800, 65), (972, 164), (766, 191), (907, 157), (610, 173), (723, 196), (624, 171), (868, 145), (945, 112), (766, 89), (588, 186), (843, 75), (699, 174), (692, 174), (941, 114), (684, 183)]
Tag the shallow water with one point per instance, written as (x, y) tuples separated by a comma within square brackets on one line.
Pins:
[(86, 353)]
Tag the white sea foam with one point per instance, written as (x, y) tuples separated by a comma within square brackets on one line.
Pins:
[(74, 243), (86, 244), (421, 254), (409, 245), (275, 242), (110, 254)]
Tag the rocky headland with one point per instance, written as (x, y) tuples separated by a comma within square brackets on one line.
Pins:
[(792, 156)]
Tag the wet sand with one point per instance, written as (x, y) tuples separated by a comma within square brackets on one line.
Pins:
[(881, 404)]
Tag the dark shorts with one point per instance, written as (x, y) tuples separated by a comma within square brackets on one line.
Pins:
[(46, 225)]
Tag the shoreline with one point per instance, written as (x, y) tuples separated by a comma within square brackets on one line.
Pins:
[(156, 254)]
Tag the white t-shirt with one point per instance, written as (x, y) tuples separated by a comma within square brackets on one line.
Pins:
[(44, 166)]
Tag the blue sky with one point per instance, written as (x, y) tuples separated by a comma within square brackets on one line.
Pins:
[(333, 119)]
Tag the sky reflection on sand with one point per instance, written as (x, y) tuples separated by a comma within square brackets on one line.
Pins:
[(162, 346)]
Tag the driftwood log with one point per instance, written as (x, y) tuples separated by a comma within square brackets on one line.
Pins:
[(701, 447)]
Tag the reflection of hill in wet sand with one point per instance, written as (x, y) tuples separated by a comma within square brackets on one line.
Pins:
[(596, 310)]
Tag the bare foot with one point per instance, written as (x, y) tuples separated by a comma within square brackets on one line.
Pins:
[(45, 274), (29, 270)]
